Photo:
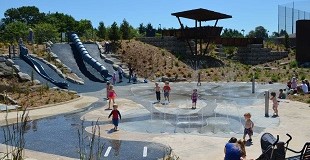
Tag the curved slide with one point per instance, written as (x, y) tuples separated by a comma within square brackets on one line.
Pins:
[(38, 68), (88, 59)]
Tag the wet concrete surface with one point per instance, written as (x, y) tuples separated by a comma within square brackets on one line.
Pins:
[(59, 135)]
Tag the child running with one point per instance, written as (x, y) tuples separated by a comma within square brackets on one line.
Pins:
[(157, 91), (115, 113), (167, 90), (275, 104), (194, 98), (248, 126), (112, 96)]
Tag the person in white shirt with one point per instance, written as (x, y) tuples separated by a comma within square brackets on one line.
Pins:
[(304, 87)]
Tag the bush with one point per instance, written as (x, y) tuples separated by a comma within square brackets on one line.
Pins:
[(293, 64), (176, 64), (189, 75), (274, 78)]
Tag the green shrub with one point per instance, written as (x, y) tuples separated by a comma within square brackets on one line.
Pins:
[(189, 75), (274, 78), (293, 64), (176, 64)]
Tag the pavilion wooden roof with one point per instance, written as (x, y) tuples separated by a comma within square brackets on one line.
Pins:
[(201, 14)]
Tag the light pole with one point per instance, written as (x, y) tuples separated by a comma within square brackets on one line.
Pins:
[(161, 31)]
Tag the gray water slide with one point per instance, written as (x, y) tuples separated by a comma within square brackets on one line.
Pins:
[(88, 58)]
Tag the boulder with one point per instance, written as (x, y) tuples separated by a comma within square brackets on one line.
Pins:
[(9, 62), (36, 82), (16, 68), (2, 59), (23, 76)]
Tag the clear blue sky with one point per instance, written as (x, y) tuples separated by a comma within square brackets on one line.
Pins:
[(247, 14)]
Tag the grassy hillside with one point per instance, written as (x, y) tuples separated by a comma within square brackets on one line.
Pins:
[(154, 62)]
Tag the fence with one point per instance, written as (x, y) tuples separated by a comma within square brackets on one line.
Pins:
[(289, 13)]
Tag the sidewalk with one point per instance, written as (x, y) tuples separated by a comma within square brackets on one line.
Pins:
[(294, 119)]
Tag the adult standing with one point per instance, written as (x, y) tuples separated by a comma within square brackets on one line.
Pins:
[(130, 72), (120, 74)]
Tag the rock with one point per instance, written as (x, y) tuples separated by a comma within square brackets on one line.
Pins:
[(107, 60), (5, 70), (2, 59), (23, 76), (72, 92), (16, 68), (36, 82), (54, 56), (164, 79), (9, 62)]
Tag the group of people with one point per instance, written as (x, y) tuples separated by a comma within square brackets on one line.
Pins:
[(167, 90), (116, 115), (294, 87), (120, 72)]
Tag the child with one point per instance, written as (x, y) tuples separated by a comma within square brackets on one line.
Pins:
[(115, 113), (157, 91), (114, 78), (108, 88), (112, 96), (275, 104), (248, 127), (281, 94), (134, 79), (120, 74), (166, 90), (194, 98)]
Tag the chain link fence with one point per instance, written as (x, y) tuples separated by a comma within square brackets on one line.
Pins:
[(289, 13)]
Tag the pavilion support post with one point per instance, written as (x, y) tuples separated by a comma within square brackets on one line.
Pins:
[(182, 31), (196, 45), (200, 31), (210, 38)]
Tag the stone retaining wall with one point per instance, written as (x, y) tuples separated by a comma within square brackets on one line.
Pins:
[(169, 43), (256, 54)]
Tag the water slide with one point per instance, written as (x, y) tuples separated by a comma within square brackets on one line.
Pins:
[(38, 68), (89, 59)]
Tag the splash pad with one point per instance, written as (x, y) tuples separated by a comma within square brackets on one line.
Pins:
[(219, 112)]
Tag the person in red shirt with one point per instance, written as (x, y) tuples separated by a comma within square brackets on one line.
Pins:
[(115, 113), (167, 90)]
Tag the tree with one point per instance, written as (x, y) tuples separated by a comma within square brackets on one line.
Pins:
[(282, 33), (114, 34), (251, 34), (44, 32), (28, 14), (142, 29), (83, 26), (260, 32), (125, 30), (150, 32), (230, 33), (101, 30), (15, 30), (63, 22)]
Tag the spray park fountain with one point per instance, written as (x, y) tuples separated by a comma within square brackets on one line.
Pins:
[(220, 109)]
